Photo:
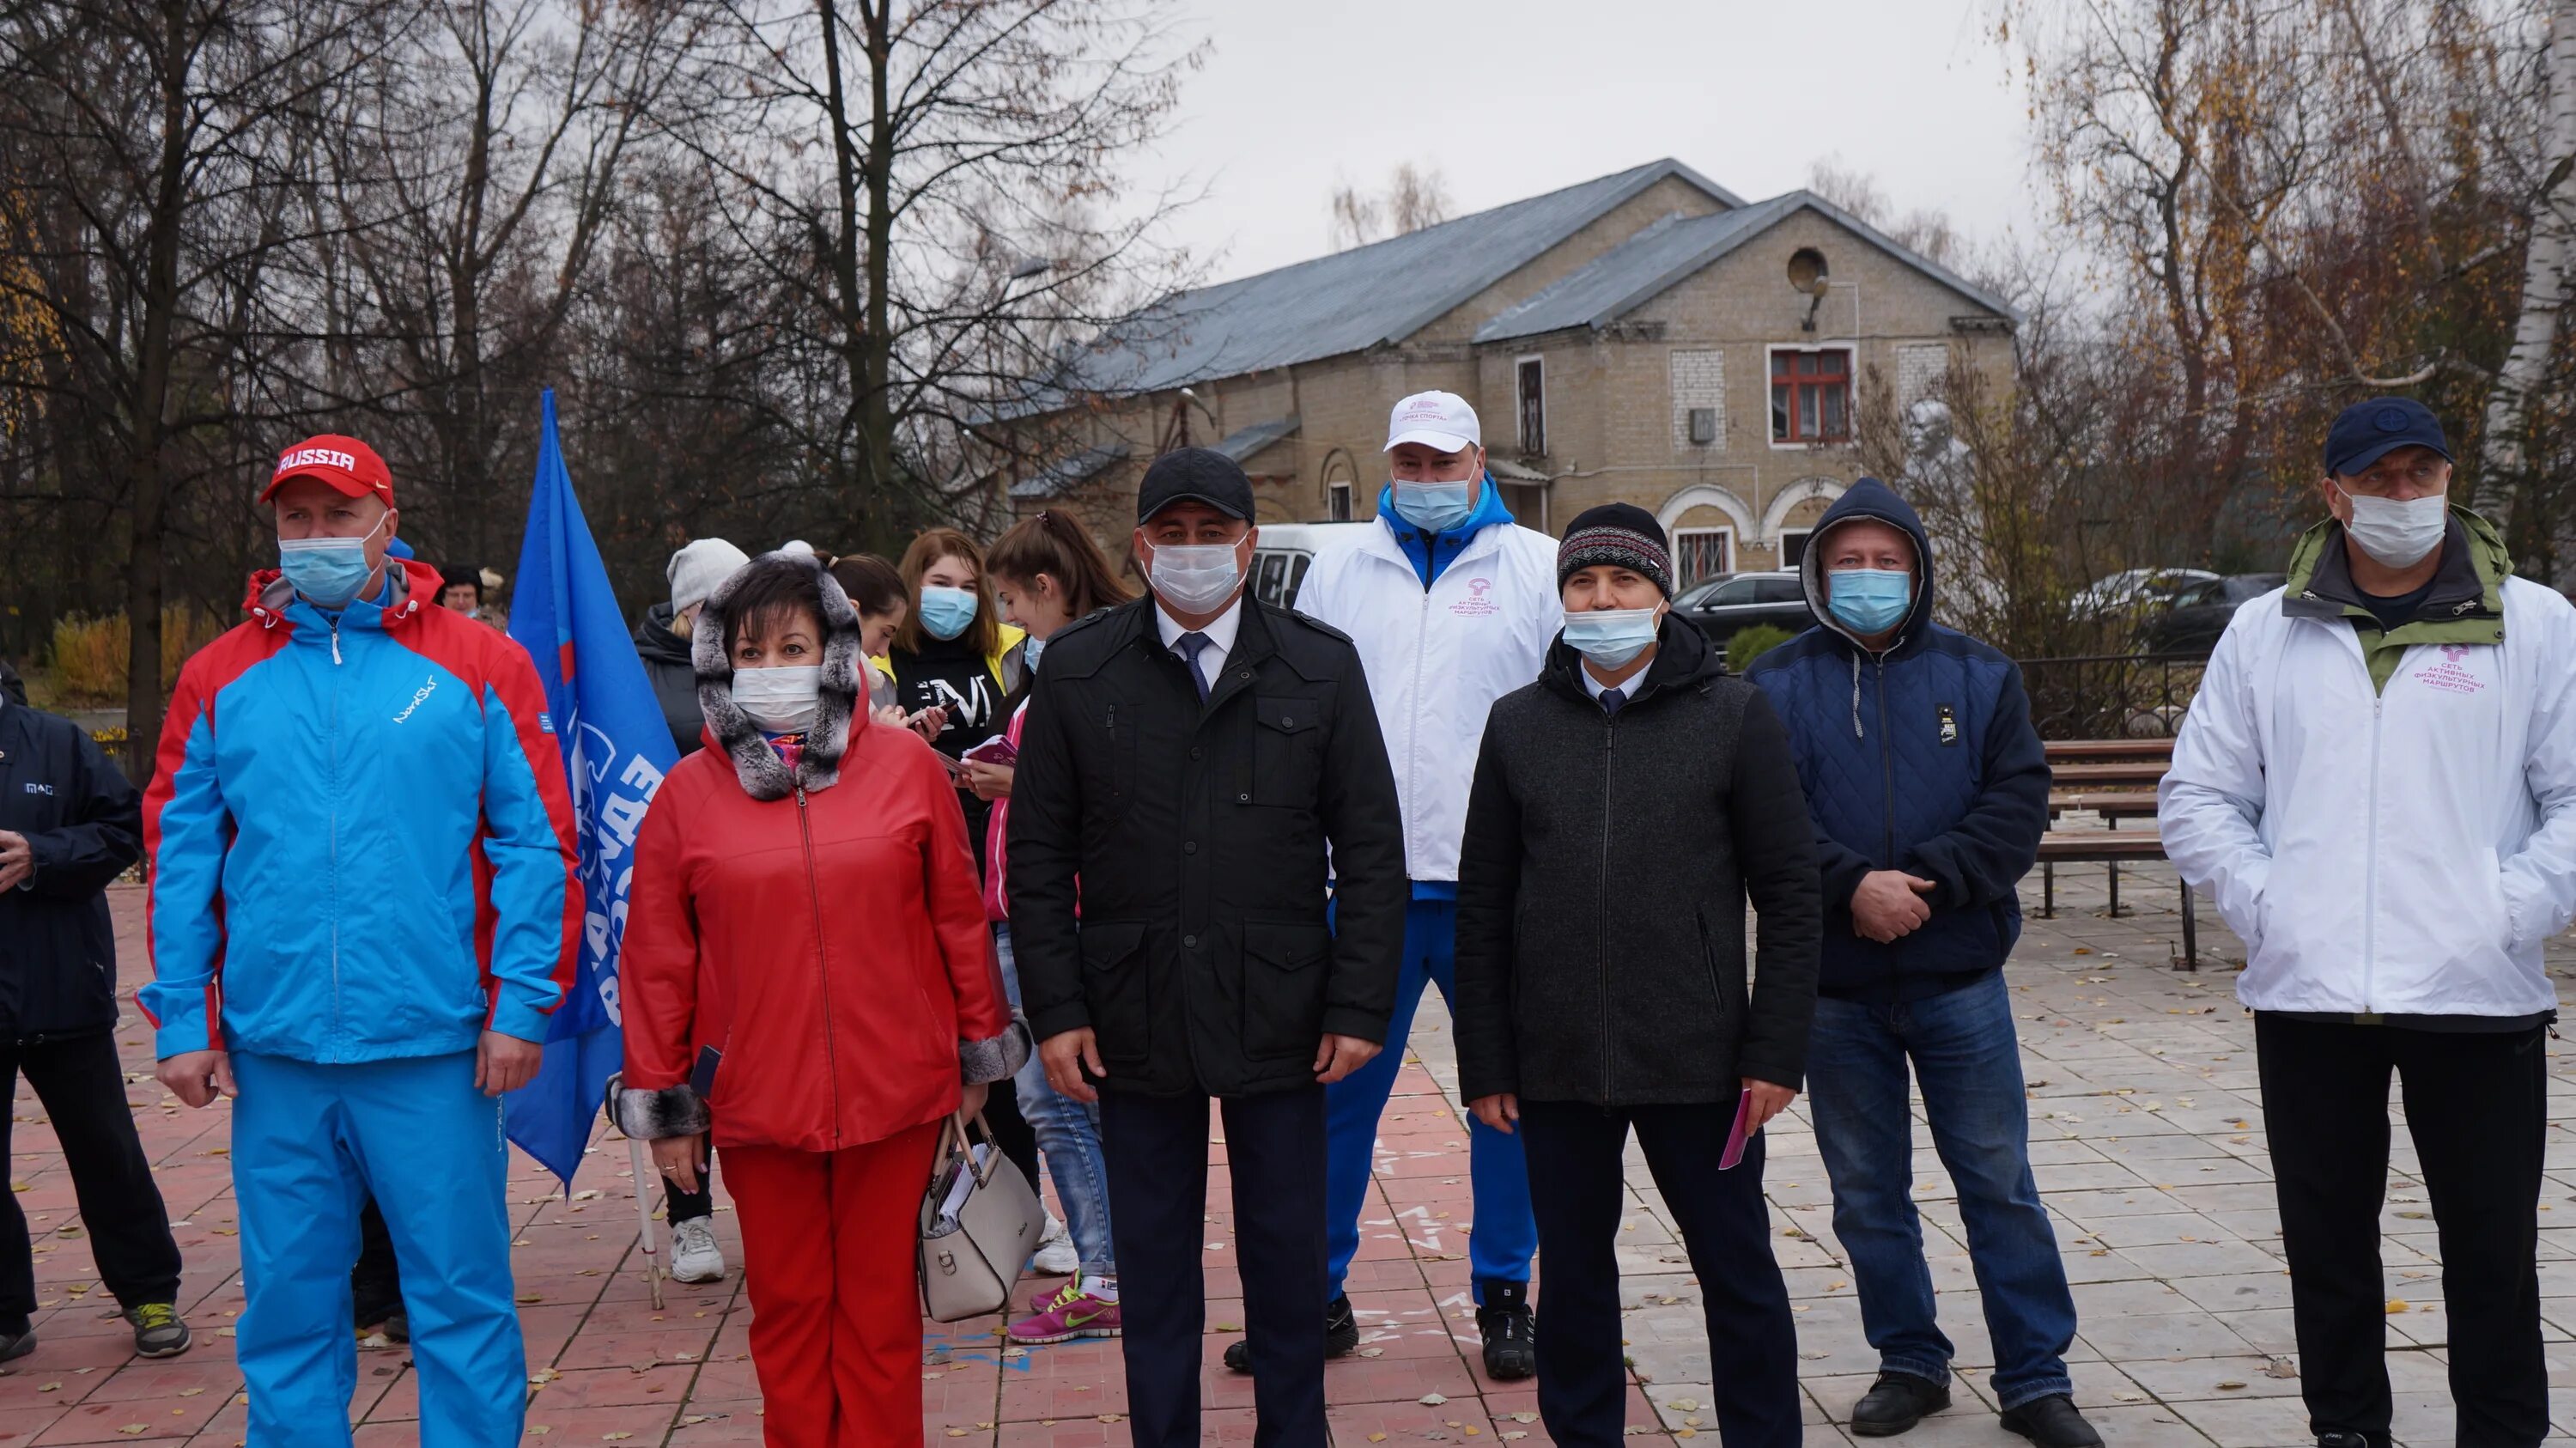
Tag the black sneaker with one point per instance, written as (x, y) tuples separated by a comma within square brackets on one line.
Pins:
[(17, 1344), (1510, 1332), (2052, 1422), (158, 1331), (1896, 1402), (1341, 1334)]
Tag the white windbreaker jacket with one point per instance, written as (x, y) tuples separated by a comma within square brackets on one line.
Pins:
[(1438, 658), (2405, 852)]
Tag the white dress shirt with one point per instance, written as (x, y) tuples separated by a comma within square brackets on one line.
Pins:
[(1220, 636)]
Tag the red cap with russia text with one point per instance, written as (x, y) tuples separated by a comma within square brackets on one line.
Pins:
[(350, 467)]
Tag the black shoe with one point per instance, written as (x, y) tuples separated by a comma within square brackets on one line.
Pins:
[(2052, 1422), (17, 1344), (2342, 1439), (1896, 1402), (1510, 1332), (1341, 1334)]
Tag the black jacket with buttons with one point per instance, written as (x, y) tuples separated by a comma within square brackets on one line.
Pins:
[(84, 826), (1201, 838)]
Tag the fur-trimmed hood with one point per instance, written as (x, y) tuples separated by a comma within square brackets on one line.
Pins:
[(763, 774)]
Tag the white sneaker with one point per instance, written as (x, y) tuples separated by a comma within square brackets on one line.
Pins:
[(695, 1257), (1056, 1256)]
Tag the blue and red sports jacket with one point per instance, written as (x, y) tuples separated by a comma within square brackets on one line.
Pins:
[(361, 838)]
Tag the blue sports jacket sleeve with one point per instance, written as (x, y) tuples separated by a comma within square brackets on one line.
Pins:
[(536, 899), (187, 829)]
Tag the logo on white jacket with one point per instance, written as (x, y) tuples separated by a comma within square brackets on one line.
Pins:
[(1476, 604), (425, 691), (2451, 676)]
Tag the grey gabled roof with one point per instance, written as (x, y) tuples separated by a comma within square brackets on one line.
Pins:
[(1654, 260), (1066, 474), (1242, 443), (1347, 302)]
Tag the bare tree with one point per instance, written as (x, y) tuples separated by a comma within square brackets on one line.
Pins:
[(157, 145), (937, 187), (1925, 230), (1415, 197), (2546, 259)]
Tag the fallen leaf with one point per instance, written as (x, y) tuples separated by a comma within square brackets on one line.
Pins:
[(1431, 1400), (2231, 1385), (2396, 1305)]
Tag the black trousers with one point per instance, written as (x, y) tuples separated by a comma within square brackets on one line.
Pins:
[(1157, 1150), (2476, 1105), (82, 1086), (1578, 1193)]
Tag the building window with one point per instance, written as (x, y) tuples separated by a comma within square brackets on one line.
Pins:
[(1700, 553), (1338, 502), (1811, 395), (1793, 546), (1530, 390)]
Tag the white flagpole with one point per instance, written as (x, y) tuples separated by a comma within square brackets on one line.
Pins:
[(644, 1219)]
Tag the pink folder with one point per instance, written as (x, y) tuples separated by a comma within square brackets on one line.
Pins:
[(1737, 1135)]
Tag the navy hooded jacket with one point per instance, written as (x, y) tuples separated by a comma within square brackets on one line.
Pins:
[(1923, 760)]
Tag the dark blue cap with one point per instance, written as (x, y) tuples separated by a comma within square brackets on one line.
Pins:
[(2368, 431)]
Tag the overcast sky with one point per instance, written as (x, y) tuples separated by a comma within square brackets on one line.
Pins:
[(1510, 98)]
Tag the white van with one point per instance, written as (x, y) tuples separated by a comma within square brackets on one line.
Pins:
[(1285, 551)]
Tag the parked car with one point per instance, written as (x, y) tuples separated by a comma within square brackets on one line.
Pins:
[(2135, 590), (1732, 601), (1284, 551), (2199, 614)]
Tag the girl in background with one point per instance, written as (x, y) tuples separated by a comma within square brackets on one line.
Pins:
[(1047, 573)]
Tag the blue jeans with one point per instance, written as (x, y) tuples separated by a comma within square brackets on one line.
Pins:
[(1068, 1134), (1968, 1061), (1506, 1235)]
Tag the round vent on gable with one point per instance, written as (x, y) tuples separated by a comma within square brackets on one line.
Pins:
[(1807, 271)]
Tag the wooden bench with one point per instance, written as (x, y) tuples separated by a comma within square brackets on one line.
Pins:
[(2138, 764)]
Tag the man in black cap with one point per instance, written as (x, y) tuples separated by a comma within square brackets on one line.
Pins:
[(1198, 761), (2377, 787)]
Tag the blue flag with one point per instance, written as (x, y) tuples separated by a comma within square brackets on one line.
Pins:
[(616, 749)]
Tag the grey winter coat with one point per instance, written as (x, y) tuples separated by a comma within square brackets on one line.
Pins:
[(1602, 886)]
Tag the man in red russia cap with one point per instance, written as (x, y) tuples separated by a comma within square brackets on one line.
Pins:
[(363, 911)]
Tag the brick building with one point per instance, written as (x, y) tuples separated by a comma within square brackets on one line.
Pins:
[(1647, 336)]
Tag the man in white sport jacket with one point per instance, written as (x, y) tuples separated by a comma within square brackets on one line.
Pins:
[(2377, 785), (1452, 605)]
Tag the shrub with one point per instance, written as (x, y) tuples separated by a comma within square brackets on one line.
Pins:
[(89, 654), (1752, 642)]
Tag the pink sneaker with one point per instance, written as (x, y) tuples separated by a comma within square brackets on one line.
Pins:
[(1070, 1313)]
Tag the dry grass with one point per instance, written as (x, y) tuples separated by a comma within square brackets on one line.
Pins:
[(89, 654)]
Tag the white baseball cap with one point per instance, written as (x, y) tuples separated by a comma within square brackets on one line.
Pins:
[(1441, 420)]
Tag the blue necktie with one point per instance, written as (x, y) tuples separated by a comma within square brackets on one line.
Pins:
[(1188, 646), (1612, 700)]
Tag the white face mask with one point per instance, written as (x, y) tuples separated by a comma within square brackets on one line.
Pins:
[(780, 700), (2396, 534), (1195, 577)]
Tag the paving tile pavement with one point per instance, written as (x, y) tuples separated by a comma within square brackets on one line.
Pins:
[(2146, 1129)]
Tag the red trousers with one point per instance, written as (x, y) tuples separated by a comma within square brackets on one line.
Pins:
[(827, 1245)]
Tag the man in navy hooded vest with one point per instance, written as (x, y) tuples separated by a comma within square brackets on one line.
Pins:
[(1930, 792)]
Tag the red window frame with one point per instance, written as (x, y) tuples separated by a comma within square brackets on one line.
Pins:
[(1811, 396)]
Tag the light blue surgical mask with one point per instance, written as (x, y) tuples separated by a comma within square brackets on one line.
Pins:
[(1434, 507), (329, 572), (1611, 637), (1029, 652), (945, 612), (1870, 600)]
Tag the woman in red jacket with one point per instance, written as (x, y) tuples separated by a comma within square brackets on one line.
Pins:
[(805, 917)]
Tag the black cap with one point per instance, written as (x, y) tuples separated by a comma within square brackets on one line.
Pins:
[(1195, 474), (2368, 431)]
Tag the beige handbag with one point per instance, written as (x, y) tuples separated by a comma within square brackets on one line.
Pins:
[(979, 1227)]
